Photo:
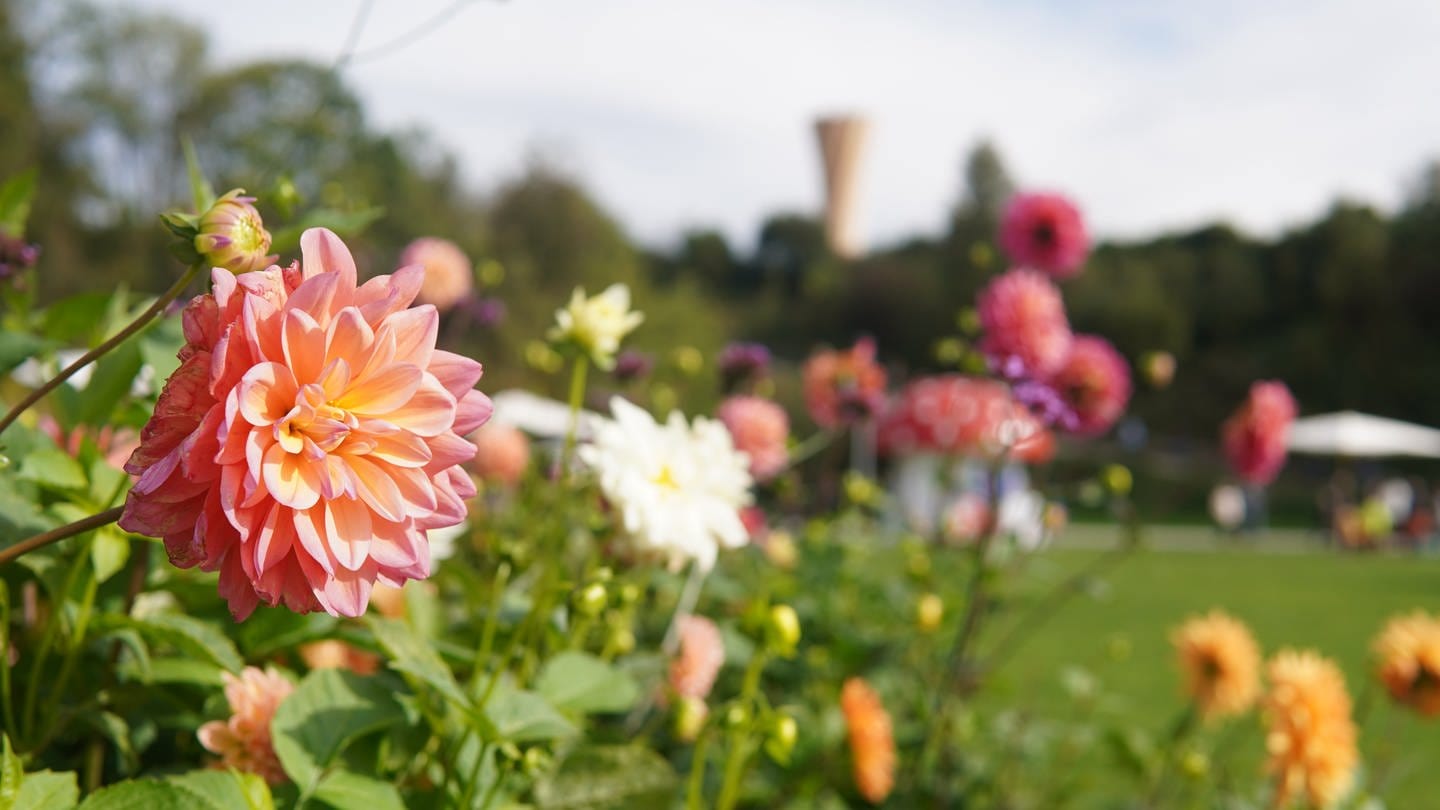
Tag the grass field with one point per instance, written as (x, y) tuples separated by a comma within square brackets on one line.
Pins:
[(1291, 592)]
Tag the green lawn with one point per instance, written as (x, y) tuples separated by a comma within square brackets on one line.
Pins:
[(1290, 592)]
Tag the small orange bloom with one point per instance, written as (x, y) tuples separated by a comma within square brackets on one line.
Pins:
[(243, 742), (702, 654), (1311, 737), (1409, 653), (872, 742), (1220, 662)]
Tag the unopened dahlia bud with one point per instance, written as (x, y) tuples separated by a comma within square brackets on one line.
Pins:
[(233, 236)]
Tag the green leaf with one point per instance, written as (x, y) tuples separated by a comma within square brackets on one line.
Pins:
[(109, 384), (188, 635), (226, 790), (326, 712), (109, 552), (53, 469), (607, 776), (47, 790), (15, 196), (12, 773), (272, 629), (17, 347), (520, 716), (143, 794), (580, 682), (173, 670), (76, 320), (413, 655), (114, 728), (344, 790), (202, 194)]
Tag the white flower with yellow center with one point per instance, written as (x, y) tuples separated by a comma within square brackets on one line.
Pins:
[(596, 325), (678, 488)]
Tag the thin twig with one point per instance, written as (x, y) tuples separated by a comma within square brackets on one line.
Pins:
[(55, 535)]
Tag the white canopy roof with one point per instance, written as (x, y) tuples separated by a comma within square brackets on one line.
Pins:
[(1348, 433)]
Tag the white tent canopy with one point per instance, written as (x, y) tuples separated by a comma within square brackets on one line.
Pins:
[(1360, 435)]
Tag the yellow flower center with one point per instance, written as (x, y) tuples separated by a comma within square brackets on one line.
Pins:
[(665, 478)]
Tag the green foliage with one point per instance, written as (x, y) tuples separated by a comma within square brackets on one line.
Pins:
[(579, 682), (328, 711), (607, 777), (16, 194)]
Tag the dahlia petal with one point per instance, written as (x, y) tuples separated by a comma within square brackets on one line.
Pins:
[(260, 328), (430, 412), (322, 252), (291, 480), (472, 411), (415, 332), (402, 449), (397, 546), (448, 450), (267, 393), (347, 525), (349, 337), (376, 488), (309, 524), (456, 372), (315, 297), (274, 540), (236, 589), (383, 295), (348, 593), (382, 392), (304, 344), (416, 490)]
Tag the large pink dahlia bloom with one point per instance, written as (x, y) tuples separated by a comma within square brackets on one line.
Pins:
[(1044, 231), (310, 437), (760, 429), (1094, 384), (1026, 330)]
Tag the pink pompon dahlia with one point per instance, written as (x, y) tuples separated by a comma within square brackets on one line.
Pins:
[(243, 741), (760, 429), (310, 437), (1256, 436), (1093, 383), (844, 387), (449, 276), (1026, 330), (1044, 231), (702, 654)]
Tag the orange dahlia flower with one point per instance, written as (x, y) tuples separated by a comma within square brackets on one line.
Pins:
[(872, 742), (310, 437), (1220, 662), (1311, 737), (243, 741), (1409, 653)]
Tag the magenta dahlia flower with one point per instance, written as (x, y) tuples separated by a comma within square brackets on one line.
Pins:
[(1094, 385), (1026, 331), (310, 437), (1256, 436), (1046, 232)]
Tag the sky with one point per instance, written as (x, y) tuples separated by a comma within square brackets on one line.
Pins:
[(1154, 115)]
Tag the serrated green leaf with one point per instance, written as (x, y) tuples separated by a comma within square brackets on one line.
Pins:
[(607, 776), (53, 469), (413, 655), (226, 790), (580, 682), (48, 790), (521, 716), (344, 790), (326, 712), (143, 794), (15, 196)]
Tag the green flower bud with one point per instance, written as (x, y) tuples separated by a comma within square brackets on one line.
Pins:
[(689, 719), (782, 629), (1117, 479), (591, 599), (232, 235), (780, 742)]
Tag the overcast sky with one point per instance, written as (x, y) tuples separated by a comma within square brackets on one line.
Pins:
[(1154, 114)]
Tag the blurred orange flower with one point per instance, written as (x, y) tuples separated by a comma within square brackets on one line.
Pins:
[(1409, 653), (872, 742), (243, 741), (1311, 737), (1220, 662)]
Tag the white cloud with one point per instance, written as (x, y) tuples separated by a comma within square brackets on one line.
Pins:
[(1154, 115)]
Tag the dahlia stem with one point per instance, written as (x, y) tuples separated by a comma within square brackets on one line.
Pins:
[(91, 356), (739, 752), (693, 800), (81, 526), (577, 400)]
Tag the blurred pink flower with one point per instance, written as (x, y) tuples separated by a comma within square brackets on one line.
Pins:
[(1094, 384), (957, 415), (967, 517), (502, 453), (310, 437), (702, 653), (1046, 232), (843, 387), (449, 276), (1255, 436), (115, 444), (243, 741), (760, 429), (1025, 324)]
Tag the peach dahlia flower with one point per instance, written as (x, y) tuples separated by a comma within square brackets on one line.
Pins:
[(1220, 661), (310, 437), (1310, 734), (243, 740)]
